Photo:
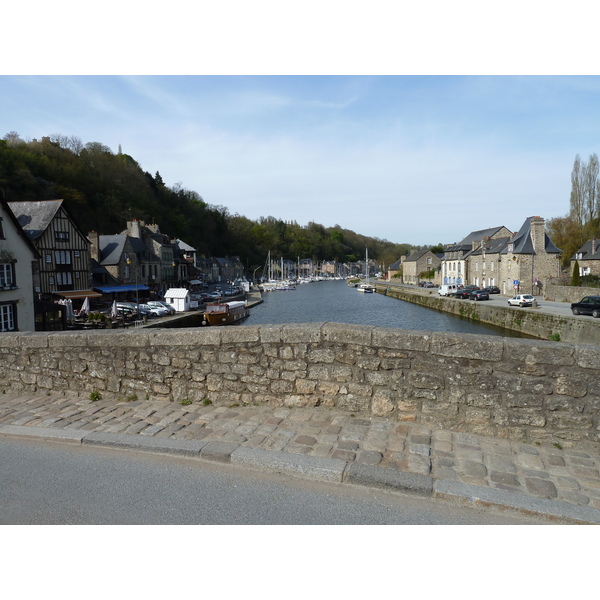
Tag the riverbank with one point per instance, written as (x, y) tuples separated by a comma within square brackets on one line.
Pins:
[(540, 322)]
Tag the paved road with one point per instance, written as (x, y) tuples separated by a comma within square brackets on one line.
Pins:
[(52, 483)]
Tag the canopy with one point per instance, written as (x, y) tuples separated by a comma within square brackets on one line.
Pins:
[(77, 294), (115, 289)]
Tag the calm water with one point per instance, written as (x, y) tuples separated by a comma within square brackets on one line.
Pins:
[(326, 301)]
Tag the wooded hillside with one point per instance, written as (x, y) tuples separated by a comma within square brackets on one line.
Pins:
[(102, 190)]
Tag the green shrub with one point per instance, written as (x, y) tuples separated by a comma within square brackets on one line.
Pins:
[(95, 396)]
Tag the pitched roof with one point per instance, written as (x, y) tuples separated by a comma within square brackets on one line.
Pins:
[(586, 250), (477, 236), (111, 248), (523, 243), (20, 231), (415, 255), (34, 217)]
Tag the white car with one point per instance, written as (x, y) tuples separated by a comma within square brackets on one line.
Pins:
[(521, 300)]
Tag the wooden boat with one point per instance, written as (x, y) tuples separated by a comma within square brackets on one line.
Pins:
[(225, 313)]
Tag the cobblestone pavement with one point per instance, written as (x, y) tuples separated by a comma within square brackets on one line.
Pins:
[(561, 475)]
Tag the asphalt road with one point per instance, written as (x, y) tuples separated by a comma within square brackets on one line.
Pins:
[(545, 306), (52, 483)]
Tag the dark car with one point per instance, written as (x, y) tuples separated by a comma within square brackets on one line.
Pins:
[(492, 289), (590, 305), (479, 295), (465, 292)]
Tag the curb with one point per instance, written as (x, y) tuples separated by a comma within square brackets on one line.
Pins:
[(522, 503), (330, 470)]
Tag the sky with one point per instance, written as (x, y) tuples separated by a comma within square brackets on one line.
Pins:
[(415, 151)]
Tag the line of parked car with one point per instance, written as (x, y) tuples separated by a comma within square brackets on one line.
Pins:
[(471, 292), (153, 308)]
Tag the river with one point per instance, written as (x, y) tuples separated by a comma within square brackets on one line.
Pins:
[(326, 301)]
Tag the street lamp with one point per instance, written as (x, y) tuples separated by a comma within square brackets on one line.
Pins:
[(137, 296)]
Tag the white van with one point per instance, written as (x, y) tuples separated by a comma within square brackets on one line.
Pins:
[(447, 290)]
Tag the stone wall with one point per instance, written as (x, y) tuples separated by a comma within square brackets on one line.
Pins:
[(532, 391), (528, 321), (568, 293)]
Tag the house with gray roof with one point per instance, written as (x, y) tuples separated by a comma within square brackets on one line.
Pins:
[(454, 264), (588, 258), (18, 259), (64, 258), (529, 260), (419, 262)]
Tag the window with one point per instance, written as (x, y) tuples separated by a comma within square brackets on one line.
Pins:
[(491, 265), (62, 257), (49, 258), (7, 277), (7, 317), (61, 236), (1, 230)]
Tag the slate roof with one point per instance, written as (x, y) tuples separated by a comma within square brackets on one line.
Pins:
[(523, 243), (35, 217), (416, 255), (111, 248), (492, 246), (586, 250), (20, 231)]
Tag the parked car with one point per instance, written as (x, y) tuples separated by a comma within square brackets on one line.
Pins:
[(589, 305), (170, 309), (479, 295), (130, 308), (465, 292), (492, 289), (521, 300), (153, 311)]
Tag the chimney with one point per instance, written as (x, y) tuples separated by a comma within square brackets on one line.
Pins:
[(94, 245), (594, 245), (538, 233), (133, 229)]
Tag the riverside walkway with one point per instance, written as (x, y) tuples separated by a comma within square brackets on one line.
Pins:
[(560, 484)]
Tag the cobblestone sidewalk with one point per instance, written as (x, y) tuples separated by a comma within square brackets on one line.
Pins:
[(551, 473)]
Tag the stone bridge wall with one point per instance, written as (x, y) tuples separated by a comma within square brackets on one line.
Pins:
[(527, 390)]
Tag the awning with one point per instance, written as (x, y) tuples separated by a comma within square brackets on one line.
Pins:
[(195, 282), (77, 294), (115, 289)]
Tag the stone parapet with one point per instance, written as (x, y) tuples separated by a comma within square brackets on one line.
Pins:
[(527, 390)]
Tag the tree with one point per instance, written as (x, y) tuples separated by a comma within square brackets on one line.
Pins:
[(576, 278)]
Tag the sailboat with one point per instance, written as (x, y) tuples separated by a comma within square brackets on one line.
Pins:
[(366, 287)]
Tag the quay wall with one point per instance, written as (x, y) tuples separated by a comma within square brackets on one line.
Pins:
[(528, 321), (521, 389)]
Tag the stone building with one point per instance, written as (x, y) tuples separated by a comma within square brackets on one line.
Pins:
[(419, 262), (455, 263), (529, 260), (588, 258)]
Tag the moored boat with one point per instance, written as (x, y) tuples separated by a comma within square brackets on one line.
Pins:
[(225, 313)]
